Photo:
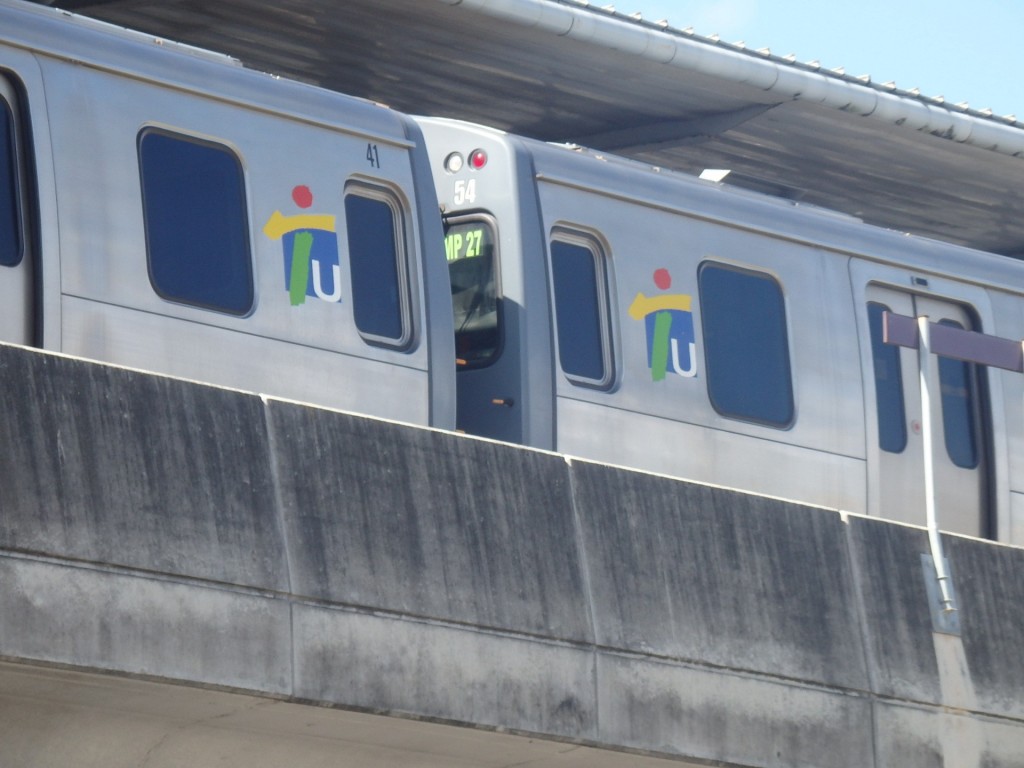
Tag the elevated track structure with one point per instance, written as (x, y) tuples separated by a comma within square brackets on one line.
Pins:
[(194, 574)]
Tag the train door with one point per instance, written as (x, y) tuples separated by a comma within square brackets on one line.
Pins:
[(488, 384), (16, 316), (960, 421)]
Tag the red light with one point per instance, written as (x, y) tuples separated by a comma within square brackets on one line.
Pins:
[(477, 159)]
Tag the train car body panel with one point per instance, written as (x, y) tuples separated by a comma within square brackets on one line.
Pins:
[(35, 199), (657, 253), (727, 337), (1007, 390), (717, 457), (504, 381), (227, 226)]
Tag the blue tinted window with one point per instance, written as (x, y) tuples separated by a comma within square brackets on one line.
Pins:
[(378, 292), (746, 345), (956, 379), (197, 231), (10, 224), (579, 307), (892, 421)]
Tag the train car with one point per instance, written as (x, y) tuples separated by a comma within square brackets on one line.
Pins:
[(164, 208), (644, 318)]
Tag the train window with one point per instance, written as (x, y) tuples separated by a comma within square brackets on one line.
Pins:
[(380, 298), (472, 271), (197, 231), (892, 421), (746, 345), (581, 310), (957, 385), (10, 219)]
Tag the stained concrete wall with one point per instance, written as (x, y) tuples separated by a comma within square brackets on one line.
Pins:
[(163, 528)]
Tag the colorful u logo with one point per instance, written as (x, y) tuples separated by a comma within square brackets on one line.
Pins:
[(311, 263), (671, 343)]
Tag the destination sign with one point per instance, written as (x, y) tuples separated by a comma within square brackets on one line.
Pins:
[(468, 240)]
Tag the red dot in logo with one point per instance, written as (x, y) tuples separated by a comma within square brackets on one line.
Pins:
[(662, 279), (302, 196)]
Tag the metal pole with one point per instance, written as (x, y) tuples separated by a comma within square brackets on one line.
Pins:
[(924, 355)]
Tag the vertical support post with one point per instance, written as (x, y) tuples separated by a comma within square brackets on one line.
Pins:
[(925, 363)]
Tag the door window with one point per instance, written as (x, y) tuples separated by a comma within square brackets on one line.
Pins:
[(957, 383), (890, 410), (473, 273)]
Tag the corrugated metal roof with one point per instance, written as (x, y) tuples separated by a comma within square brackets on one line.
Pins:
[(564, 70)]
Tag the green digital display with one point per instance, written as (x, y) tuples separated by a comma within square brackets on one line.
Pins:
[(467, 241)]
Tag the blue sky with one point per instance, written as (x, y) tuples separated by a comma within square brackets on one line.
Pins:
[(965, 51)]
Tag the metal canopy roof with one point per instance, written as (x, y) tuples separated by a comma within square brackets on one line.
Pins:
[(560, 70)]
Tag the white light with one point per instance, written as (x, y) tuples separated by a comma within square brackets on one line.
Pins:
[(714, 174), (453, 163)]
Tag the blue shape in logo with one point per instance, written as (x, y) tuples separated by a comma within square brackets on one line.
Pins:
[(324, 279), (681, 339)]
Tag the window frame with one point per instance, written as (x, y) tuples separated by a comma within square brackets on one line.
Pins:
[(390, 197), (600, 252)]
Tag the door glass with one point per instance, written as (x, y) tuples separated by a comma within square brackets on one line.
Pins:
[(956, 379), (472, 271), (892, 420)]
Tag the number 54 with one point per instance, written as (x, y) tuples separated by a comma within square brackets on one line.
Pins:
[(465, 192)]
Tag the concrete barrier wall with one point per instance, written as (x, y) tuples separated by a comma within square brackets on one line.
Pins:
[(416, 522), (715, 608), (975, 676), (169, 529), (452, 544), (112, 466)]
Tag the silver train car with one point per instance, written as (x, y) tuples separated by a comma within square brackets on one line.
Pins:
[(163, 208), (640, 317)]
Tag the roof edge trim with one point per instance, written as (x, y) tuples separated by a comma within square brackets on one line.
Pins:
[(783, 80)]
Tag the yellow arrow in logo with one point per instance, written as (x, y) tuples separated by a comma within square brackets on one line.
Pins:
[(279, 225), (644, 305)]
